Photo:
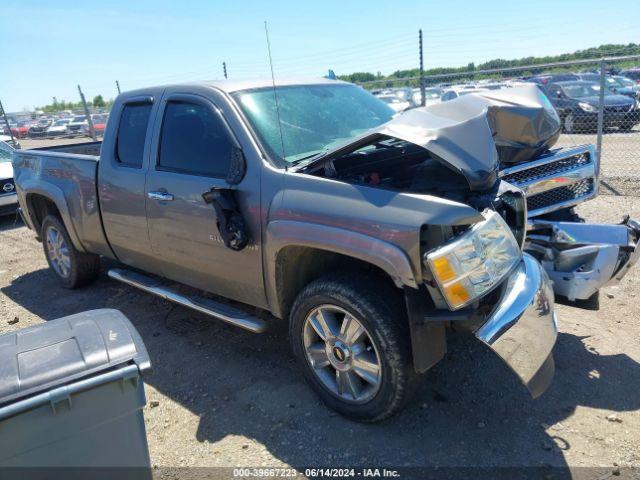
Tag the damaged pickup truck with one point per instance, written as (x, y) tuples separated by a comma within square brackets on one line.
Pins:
[(370, 234)]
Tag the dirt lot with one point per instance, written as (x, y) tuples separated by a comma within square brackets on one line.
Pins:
[(229, 398)]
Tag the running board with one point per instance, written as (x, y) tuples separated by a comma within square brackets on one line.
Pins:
[(207, 306)]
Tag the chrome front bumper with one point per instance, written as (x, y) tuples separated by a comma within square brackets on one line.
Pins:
[(522, 328), (580, 258)]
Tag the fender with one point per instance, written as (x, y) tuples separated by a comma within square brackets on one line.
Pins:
[(283, 233), (56, 196)]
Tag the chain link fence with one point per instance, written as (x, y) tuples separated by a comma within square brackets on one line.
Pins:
[(597, 102)]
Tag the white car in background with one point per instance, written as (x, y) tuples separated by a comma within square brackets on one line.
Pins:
[(431, 96), (8, 196), (59, 127), (75, 126), (394, 102), (459, 92)]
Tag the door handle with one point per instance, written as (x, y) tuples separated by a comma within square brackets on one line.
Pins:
[(162, 196)]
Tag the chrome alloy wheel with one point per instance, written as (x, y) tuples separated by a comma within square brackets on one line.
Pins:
[(341, 353), (58, 252)]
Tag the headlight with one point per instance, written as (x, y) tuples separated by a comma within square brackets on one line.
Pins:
[(587, 107), (637, 105), (472, 264)]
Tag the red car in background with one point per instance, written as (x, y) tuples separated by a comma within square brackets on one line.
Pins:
[(99, 124), (21, 129)]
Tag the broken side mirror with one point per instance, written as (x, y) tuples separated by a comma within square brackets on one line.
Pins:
[(231, 224)]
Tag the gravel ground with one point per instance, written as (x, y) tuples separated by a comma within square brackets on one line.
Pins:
[(222, 397)]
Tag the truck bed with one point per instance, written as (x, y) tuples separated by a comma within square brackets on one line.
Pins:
[(85, 148), (67, 176)]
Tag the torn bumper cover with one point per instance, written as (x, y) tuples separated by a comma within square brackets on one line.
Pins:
[(581, 258), (522, 327)]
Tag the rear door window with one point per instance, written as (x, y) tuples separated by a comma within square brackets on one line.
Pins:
[(132, 133), (194, 141)]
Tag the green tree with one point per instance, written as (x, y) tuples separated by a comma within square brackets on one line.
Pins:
[(98, 101)]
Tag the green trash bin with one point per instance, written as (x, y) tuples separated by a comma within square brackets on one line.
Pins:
[(72, 396)]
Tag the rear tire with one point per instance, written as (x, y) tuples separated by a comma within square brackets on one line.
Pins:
[(72, 267), (363, 368)]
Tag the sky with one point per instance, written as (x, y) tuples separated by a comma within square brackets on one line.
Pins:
[(48, 48)]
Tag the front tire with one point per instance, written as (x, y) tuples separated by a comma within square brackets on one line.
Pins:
[(350, 336), (72, 267)]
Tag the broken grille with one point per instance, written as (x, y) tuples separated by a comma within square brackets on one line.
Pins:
[(548, 169), (562, 195), (557, 180)]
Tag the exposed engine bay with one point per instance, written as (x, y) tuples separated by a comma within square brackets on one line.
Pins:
[(397, 165)]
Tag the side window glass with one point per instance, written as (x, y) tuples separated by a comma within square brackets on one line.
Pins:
[(194, 141), (132, 132)]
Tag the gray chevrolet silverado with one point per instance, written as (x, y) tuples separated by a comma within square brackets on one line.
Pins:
[(370, 233)]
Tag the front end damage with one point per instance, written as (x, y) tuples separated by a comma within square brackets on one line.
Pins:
[(494, 152), (522, 329), (581, 258)]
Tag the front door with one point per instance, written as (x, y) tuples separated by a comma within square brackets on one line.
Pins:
[(193, 151)]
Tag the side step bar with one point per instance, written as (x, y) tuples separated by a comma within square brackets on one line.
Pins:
[(207, 306)]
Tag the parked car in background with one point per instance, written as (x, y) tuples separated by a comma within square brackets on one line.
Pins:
[(431, 96), (460, 92), (99, 124), (39, 129), (21, 129), (8, 196), (58, 127), (633, 74), (612, 84), (628, 83), (552, 78), (577, 105), (74, 127), (397, 104)]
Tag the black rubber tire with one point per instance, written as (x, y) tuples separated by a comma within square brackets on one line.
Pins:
[(85, 267), (626, 127), (380, 308)]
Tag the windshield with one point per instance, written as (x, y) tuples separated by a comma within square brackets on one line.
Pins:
[(60, 123), (313, 118), (5, 152), (79, 119), (579, 90), (613, 83)]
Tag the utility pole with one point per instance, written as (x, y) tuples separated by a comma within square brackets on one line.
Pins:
[(422, 89), (224, 69), (6, 122), (118, 86), (600, 127), (87, 114)]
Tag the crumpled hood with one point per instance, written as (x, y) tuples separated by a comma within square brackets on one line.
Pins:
[(474, 133)]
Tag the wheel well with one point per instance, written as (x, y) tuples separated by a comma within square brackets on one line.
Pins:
[(296, 267), (39, 207)]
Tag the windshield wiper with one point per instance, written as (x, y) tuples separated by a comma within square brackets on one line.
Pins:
[(305, 159)]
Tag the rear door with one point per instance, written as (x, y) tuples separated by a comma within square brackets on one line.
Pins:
[(192, 152), (124, 161)]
